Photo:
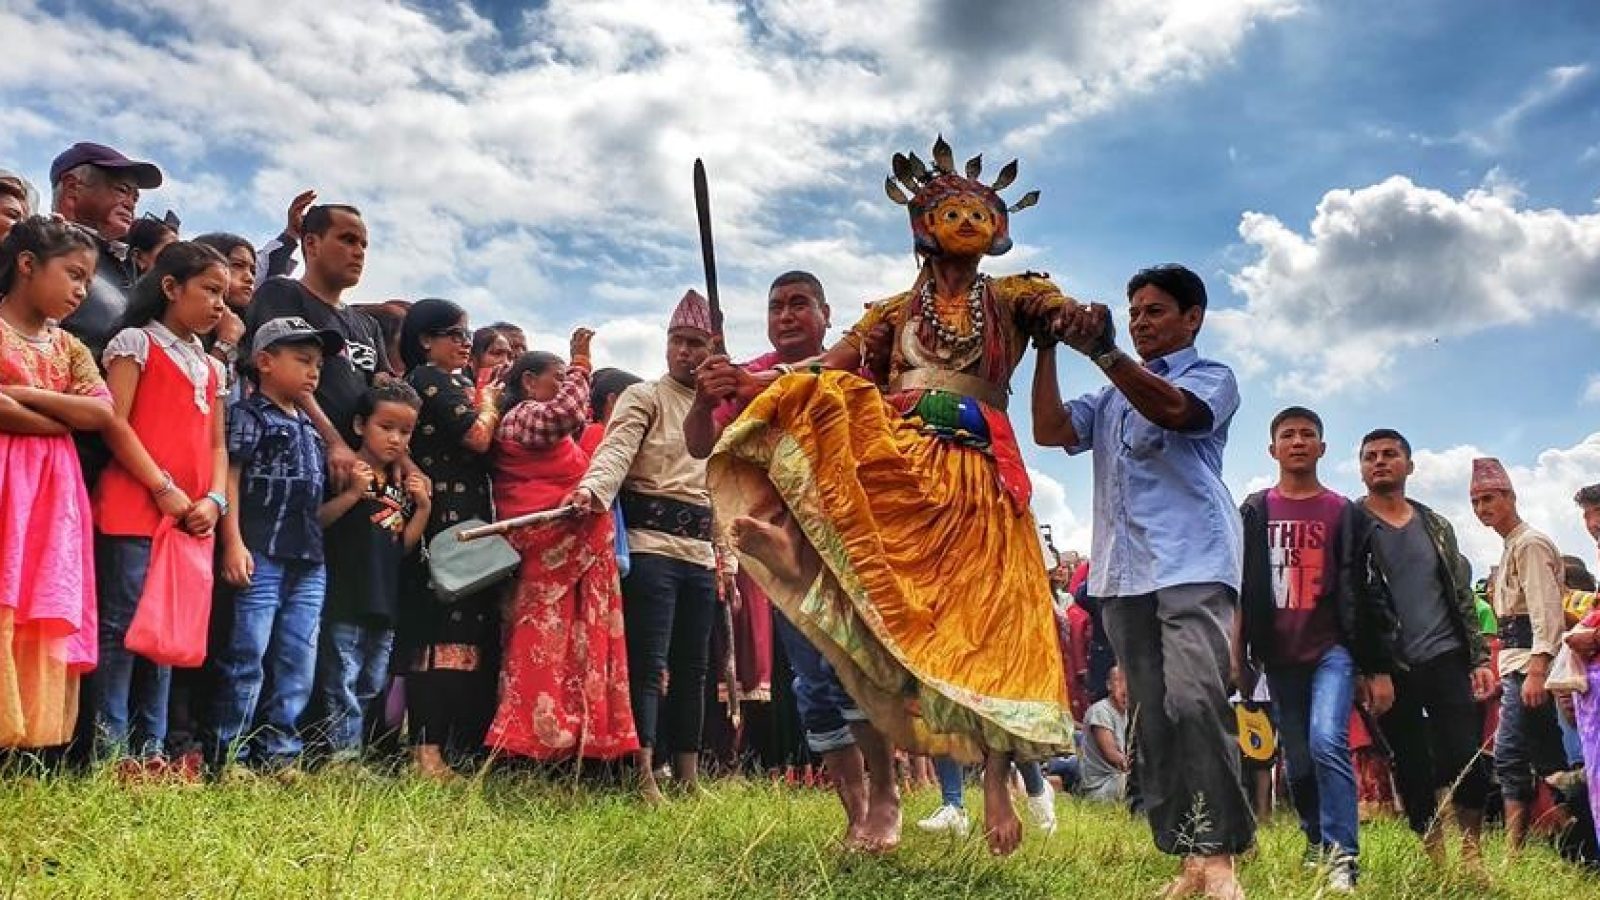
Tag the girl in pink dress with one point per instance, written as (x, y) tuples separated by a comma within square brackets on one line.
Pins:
[(49, 388)]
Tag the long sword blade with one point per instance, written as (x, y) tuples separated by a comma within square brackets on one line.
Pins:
[(708, 253)]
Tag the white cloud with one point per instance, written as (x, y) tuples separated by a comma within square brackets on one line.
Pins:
[(1396, 265), (1050, 508), (535, 170), (1544, 485), (1591, 389)]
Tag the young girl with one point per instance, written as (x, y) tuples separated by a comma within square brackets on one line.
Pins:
[(169, 462), (49, 388)]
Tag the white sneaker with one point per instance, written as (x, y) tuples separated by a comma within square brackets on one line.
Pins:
[(1042, 809), (946, 819), (1342, 875)]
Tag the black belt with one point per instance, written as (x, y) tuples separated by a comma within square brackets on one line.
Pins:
[(1516, 633), (666, 515)]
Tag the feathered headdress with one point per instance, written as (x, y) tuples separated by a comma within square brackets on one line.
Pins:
[(921, 188)]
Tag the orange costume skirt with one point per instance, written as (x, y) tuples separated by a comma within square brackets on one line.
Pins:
[(932, 601)]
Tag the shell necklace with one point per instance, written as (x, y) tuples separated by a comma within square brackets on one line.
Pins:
[(951, 342)]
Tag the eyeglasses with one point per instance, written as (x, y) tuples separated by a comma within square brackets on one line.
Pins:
[(458, 334)]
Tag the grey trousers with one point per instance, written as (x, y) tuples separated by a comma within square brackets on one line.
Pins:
[(1173, 649)]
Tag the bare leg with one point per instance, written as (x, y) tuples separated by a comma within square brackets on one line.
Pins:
[(1190, 882), (1516, 826), (647, 778), (1221, 882), (1000, 822), (778, 544), (880, 830), (848, 772), (1471, 822)]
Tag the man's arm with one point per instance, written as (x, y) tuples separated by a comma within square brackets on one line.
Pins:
[(1090, 331), (614, 457), (1052, 425), (1107, 742)]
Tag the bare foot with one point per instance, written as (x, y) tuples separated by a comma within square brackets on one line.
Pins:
[(1221, 882), (880, 830), (429, 763), (1000, 822), (1188, 883), (848, 773), (770, 543), (1433, 846)]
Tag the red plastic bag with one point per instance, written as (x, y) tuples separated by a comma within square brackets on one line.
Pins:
[(169, 625)]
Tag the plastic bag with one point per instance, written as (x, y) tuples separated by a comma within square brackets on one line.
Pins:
[(169, 625), (1567, 673)]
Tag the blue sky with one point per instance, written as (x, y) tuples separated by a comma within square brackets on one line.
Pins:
[(1394, 205)]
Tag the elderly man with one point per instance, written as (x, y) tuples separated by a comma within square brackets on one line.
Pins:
[(1167, 551), (1527, 601), (98, 188)]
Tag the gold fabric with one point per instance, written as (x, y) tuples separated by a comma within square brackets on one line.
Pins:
[(38, 692), (932, 601)]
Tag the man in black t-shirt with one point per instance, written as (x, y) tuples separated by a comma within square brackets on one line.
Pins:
[(335, 249)]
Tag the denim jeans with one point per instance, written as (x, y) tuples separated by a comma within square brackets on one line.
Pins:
[(1314, 704), (130, 691), (667, 608), (952, 780), (352, 668), (826, 711), (1174, 650), (265, 668), (1527, 744)]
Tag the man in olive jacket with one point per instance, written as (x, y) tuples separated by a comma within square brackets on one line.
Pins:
[(1435, 728)]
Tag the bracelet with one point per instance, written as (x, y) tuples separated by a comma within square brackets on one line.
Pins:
[(167, 486), (219, 500), (228, 349)]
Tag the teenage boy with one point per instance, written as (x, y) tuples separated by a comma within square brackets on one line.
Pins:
[(368, 528), (1315, 617), (272, 551)]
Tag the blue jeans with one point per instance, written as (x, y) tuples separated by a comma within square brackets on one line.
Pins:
[(826, 711), (1314, 703), (265, 668), (1527, 744), (130, 691), (952, 779), (668, 607), (352, 668)]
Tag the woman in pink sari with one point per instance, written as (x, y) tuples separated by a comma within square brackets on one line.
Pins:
[(564, 681)]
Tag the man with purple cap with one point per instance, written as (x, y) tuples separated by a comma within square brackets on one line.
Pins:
[(1527, 600), (98, 188), (670, 594)]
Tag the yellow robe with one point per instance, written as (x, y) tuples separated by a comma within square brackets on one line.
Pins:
[(932, 602)]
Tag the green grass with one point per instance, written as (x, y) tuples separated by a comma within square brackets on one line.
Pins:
[(522, 836)]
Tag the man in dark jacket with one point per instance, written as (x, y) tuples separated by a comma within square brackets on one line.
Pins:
[(1435, 727), (1314, 616)]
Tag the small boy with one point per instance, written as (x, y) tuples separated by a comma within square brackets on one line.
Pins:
[(272, 551), (369, 528)]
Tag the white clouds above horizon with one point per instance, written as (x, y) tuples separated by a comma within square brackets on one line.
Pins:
[(1394, 265), (487, 159)]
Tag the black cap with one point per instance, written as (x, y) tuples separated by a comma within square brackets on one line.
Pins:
[(144, 174)]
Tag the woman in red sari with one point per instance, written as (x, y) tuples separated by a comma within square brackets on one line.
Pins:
[(564, 683)]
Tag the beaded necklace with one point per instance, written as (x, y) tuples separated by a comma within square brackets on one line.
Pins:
[(953, 342)]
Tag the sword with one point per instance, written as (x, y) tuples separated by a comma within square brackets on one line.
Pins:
[(708, 255)]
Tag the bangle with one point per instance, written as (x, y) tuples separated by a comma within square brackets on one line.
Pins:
[(167, 486), (219, 500)]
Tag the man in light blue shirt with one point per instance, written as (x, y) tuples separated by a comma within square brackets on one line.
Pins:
[(1166, 557)]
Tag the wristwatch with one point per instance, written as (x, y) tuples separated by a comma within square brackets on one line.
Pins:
[(228, 349), (219, 500), (1106, 359)]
